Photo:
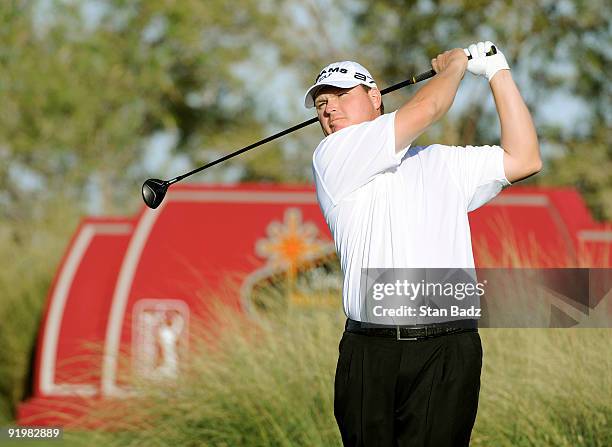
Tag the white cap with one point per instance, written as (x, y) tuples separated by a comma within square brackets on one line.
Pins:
[(344, 74)]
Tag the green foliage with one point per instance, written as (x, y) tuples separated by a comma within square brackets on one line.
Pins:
[(84, 91), (80, 99), (586, 163)]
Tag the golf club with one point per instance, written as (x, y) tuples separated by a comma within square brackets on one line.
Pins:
[(154, 190)]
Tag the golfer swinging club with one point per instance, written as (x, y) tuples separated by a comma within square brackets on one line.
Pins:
[(390, 205)]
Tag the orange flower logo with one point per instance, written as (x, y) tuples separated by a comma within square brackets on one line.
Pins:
[(291, 244), (295, 258)]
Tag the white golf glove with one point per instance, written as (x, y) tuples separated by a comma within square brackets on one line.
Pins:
[(481, 65)]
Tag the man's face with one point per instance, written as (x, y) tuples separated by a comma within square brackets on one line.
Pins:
[(338, 108)]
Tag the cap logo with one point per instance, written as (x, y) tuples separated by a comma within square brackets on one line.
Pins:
[(326, 73), (340, 74)]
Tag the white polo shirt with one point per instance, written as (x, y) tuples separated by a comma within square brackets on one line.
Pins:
[(405, 210)]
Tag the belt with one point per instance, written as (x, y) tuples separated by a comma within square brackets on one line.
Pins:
[(416, 332)]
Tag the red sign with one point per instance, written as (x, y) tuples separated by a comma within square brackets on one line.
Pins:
[(131, 288)]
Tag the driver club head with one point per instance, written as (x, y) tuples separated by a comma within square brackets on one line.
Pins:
[(153, 192)]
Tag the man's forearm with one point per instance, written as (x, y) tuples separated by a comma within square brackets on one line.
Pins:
[(441, 91), (430, 103)]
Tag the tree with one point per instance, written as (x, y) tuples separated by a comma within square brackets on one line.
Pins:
[(84, 89)]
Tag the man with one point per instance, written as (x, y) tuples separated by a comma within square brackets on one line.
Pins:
[(389, 206)]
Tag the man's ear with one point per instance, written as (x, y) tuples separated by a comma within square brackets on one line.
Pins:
[(375, 97)]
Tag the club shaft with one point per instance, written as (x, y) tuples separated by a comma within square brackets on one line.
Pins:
[(413, 80), (247, 148)]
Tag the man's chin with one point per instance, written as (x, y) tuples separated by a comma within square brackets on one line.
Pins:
[(337, 127)]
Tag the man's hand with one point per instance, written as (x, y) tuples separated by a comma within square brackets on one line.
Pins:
[(487, 66), (455, 58)]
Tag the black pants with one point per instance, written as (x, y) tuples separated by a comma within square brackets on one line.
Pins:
[(407, 393)]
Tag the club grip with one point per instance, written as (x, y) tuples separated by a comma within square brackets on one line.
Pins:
[(491, 52)]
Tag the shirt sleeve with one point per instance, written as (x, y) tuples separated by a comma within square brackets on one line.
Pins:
[(352, 157), (478, 171)]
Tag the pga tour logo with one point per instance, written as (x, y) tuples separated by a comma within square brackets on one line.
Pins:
[(160, 338)]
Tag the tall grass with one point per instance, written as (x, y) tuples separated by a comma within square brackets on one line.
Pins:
[(30, 251), (268, 381), (265, 382), (545, 387)]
